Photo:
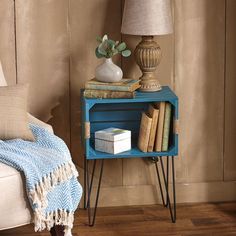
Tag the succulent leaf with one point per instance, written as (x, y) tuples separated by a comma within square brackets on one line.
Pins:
[(126, 53), (108, 48), (104, 38), (98, 55), (102, 50), (121, 47), (115, 51), (111, 42)]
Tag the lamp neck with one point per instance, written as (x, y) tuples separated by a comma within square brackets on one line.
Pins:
[(147, 38)]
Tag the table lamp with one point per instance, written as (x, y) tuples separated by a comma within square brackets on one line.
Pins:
[(147, 18)]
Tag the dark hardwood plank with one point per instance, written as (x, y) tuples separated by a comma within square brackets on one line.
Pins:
[(211, 219)]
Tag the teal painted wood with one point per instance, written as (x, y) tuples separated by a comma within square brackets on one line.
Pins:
[(125, 114)]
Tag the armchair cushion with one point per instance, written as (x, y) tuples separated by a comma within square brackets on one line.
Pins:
[(13, 115), (34, 120), (14, 205)]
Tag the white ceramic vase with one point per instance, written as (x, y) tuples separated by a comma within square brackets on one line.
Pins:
[(108, 72)]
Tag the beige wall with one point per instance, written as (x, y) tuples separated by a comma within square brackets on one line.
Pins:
[(50, 44)]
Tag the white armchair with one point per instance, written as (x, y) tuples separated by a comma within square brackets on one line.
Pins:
[(14, 205)]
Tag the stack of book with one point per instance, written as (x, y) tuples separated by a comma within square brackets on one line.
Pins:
[(155, 128), (122, 89)]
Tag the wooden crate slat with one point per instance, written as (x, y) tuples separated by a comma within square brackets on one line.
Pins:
[(115, 116)]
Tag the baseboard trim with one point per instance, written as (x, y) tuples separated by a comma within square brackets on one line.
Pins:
[(149, 194)]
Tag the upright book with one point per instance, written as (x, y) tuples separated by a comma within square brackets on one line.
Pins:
[(144, 132), (166, 131), (160, 127), (128, 85), (153, 112)]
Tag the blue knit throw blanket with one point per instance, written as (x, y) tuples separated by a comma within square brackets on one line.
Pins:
[(51, 184)]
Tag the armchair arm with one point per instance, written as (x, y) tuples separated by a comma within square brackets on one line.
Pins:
[(36, 121)]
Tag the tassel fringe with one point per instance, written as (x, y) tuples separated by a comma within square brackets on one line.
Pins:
[(39, 196), (59, 217)]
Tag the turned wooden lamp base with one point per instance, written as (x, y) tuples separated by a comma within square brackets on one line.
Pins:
[(148, 56)]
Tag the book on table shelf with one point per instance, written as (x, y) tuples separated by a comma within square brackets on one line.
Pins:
[(92, 93), (166, 129), (160, 127), (153, 113), (126, 84), (122, 89), (144, 132), (155, 128)]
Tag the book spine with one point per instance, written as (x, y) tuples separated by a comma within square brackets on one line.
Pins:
[(91, 93), (154, 113), (160, 126), (166, 131), (113, 87), (107, 87), (144, 132)]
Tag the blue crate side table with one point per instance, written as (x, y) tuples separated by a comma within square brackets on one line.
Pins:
[(99, 114)]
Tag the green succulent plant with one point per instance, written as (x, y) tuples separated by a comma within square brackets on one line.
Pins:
[(109, 48)]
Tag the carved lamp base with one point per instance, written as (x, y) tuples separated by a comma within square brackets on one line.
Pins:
[(148, 56)]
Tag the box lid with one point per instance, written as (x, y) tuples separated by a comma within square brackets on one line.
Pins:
[(113, 134)]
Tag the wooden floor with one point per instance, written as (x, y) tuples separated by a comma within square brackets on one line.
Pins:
[(192, 220)]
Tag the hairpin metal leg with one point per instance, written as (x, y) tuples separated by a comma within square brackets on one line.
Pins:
[(173, 182), (167, 180), (85, 186), (91, 182), (89, 188), (159, 181), (168, 204)]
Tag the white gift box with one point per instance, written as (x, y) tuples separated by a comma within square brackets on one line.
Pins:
[(113, 140)]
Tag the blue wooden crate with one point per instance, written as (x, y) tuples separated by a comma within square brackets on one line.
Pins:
[(125, 114)]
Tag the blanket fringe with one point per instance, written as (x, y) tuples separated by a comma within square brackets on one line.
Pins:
[(39, 196), (59, 217)]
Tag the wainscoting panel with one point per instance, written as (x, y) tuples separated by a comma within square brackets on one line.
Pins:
[(7, 40), (199, 83), (43, 59), (230, 94), (89, 19), (55, 44)]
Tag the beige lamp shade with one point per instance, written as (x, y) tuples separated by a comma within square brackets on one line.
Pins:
[(147, 17)]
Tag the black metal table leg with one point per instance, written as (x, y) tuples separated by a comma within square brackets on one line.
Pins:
[(89, 188), (91, 182), (167, 180), (165, 176), (160, 185), (85, 186), (173, 182)]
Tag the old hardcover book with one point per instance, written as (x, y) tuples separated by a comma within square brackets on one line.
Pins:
[(160, 126), (166, 131), (128, 85), (154, 113), (144, 132), (93, 93)]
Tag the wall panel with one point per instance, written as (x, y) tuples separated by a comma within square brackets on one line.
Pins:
[(55, 43), (199, 83), (230, 93), (43, 59), (7, 40), (105, 18)]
